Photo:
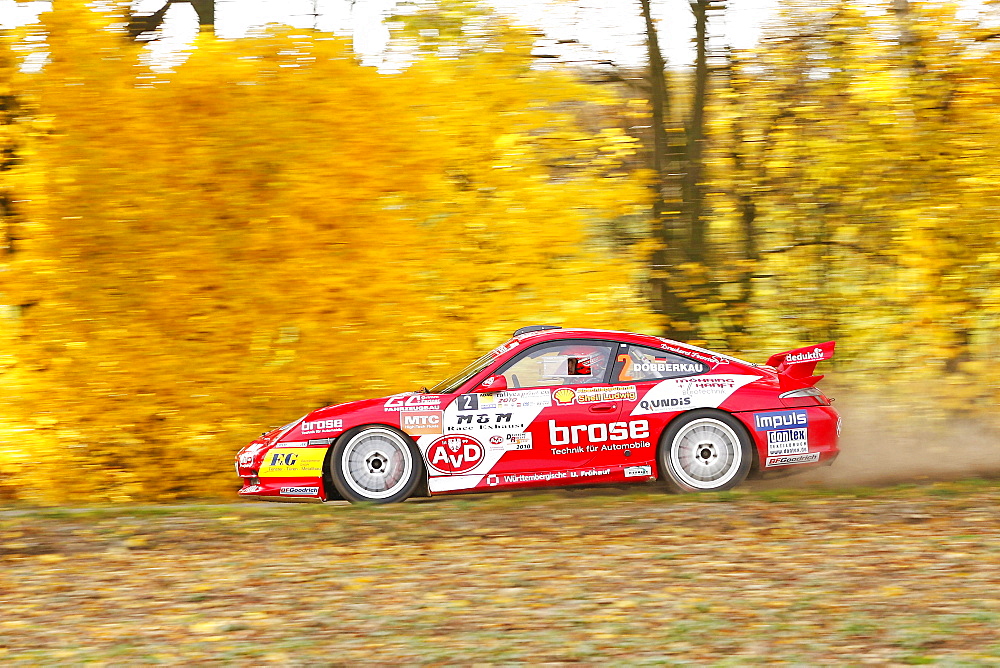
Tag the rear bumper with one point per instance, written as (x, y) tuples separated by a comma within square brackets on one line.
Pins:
[(794, 436)]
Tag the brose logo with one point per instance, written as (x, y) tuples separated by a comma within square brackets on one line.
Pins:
[(599, 432), (419, 423), (455, 454), (321, 425)]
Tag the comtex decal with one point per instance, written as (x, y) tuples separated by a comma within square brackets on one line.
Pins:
[(787, 431), (590, 395)]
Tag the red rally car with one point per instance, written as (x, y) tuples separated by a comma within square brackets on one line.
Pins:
[(555, 407)]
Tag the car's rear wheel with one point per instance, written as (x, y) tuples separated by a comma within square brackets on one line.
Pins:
[(375, 464), (705, 451)]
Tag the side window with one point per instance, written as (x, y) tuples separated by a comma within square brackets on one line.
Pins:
[(638, 363), (559, 363)]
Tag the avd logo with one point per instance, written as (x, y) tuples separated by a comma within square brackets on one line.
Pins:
[(455, 454)]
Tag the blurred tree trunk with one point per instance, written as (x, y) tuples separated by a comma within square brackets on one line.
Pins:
[(10, 111), (680, 283), (139, 25)]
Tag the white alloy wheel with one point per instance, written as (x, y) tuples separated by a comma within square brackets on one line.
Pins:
[(376, 463), (705, 453)]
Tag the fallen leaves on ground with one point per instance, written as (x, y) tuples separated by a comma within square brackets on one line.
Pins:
[(902, 575)]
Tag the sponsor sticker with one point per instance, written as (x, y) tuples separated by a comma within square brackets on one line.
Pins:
[(780, 420), (322, 425), (590, 395), (638, 471), (792, 459), (299, 491), (787, 431), (455, 453), (662, 366), (814, 355), (286, 462), (539, 398), (510, 441), (246, 459), (564, 396), (413, 401), (421, 423), (787, 442), (597, 432)]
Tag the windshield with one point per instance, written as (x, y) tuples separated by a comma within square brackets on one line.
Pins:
[(451, 384)]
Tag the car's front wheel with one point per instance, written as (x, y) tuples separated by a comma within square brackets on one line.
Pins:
[(705, 451), (376, 464)]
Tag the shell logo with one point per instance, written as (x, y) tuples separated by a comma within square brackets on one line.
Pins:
[(564, 396)]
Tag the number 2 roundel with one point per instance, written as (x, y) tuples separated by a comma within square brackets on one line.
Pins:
[(457, 453)]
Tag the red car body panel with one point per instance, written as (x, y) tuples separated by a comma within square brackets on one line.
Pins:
[(474, 439)]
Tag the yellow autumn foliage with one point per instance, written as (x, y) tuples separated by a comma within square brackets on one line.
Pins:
[(271, 227)]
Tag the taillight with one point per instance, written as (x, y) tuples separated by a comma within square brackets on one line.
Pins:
[(806, 392)]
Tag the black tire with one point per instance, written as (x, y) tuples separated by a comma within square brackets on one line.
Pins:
[(375, 464), (705, 451)]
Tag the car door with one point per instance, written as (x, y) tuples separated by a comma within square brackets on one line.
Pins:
[(638, 370), (575, 409)]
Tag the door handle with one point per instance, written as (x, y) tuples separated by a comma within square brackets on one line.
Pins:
[(603, 408)]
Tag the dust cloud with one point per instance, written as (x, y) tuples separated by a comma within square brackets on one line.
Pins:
[(893, 444)]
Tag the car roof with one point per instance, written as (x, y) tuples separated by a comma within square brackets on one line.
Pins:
[(580, 333), (626, 337)]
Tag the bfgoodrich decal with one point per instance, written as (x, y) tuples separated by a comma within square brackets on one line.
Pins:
[(792, 459)]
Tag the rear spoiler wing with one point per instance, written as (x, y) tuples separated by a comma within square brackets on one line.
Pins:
[(795, 367)]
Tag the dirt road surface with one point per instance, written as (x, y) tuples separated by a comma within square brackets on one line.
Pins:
[(898, 575)]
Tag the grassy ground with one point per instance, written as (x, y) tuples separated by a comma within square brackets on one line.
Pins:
[(902, 575)]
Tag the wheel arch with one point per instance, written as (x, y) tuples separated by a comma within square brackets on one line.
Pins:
[(661, 442), (333, 494)]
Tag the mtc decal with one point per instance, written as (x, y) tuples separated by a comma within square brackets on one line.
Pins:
[(455, 454), (421, 423)]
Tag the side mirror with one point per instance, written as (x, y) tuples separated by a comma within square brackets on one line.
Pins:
[(492, 384)]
